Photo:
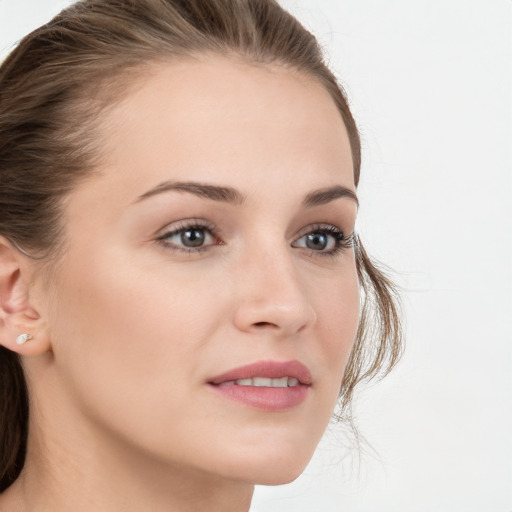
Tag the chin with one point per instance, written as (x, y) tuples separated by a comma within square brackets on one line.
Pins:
[(276, 477), (275, 469)]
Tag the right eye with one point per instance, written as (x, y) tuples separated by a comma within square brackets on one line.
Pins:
[(188, 237)]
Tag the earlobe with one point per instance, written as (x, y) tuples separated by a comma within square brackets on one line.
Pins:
[(22, 329), (23, 338)]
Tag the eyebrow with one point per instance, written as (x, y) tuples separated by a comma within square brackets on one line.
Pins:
[(326, 195), (213, 192), (230, 195)]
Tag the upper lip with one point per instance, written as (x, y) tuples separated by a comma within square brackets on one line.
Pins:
[(269, 369)]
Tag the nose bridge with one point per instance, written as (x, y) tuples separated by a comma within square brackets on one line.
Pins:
[(272, 295)]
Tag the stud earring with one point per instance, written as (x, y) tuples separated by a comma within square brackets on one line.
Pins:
[(23, 338)]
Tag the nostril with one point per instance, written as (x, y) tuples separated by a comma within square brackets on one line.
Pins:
[(262, 324)]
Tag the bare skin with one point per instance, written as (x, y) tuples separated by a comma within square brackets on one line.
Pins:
[(140, 317)]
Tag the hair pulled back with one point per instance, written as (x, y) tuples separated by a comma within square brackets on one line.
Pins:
[(54, 87)]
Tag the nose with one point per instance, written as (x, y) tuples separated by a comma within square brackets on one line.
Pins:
[(271, 296)]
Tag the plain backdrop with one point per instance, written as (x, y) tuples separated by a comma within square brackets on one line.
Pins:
[(430, 83)]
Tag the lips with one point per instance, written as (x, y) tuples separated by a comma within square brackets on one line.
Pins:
[(268, 370), (265, 385)]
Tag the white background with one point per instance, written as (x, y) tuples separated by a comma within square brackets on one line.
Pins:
[(430, 83)]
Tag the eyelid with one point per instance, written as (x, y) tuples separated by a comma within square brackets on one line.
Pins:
[(317, 226), (183, 224)]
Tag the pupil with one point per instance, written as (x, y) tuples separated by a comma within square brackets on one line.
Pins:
[(192, 238), (316, 241)]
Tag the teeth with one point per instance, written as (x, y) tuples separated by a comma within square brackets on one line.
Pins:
[(261, 382), (280, 383), (283, 382)]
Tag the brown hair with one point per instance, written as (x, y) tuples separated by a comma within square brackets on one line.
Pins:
[(55, 85)]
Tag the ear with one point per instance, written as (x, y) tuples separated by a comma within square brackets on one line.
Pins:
[(18, 314)]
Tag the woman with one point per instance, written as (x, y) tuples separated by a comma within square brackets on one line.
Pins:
[(179, 274)]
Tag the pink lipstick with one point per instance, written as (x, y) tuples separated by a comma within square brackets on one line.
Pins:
[(266, 385)]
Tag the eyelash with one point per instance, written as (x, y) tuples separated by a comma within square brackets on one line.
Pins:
[(341, 241)]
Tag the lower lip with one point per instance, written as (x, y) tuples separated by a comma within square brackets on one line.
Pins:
[(265, 398)]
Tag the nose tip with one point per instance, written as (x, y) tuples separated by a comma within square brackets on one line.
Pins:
[(287, 318), (274, 300)]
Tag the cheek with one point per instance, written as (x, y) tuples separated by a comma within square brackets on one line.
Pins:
[(338, 320), (132, 315), (120, 332), (129, 348)]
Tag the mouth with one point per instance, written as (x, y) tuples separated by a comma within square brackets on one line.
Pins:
[(266, 385), (264, 382)]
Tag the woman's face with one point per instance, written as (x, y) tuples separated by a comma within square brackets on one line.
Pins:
[(212, 248)]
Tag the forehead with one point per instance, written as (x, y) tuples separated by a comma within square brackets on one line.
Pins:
[(223, 119)]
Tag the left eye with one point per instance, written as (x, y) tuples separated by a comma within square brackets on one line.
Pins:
[(322, 240)]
